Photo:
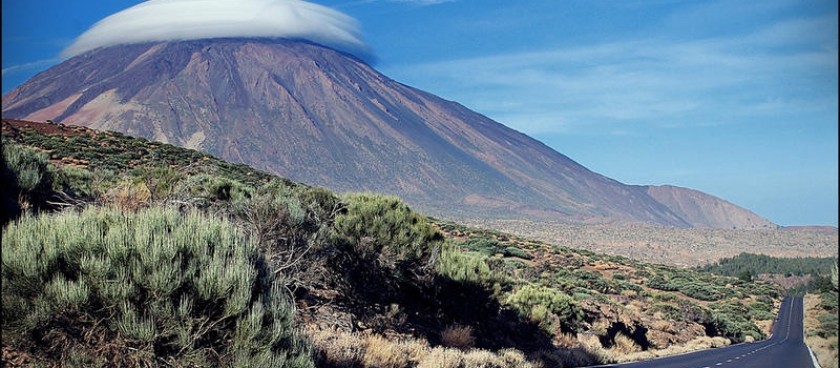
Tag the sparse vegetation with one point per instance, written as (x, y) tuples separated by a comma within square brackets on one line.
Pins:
[(375, 283), (821, 327)]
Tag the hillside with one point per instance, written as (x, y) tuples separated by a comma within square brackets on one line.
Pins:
[(706, 211), (319, 116), (372, 280)]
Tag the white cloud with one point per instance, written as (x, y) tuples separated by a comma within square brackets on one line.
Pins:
[(164, 20)]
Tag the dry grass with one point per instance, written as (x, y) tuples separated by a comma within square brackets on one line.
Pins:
[(459, 337), (128, 196), (441, 357), (346, 350), (590, 342), (626, 345), (662, 325), (824, 349), (383, 353), (336, 349), (618, 356)]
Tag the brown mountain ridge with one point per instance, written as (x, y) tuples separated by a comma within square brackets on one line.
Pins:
[(322, 117)]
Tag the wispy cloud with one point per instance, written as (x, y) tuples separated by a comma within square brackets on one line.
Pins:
[(784, 70), (27, 67)]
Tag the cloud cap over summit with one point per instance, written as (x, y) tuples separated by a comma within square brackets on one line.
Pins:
[(170, 20)]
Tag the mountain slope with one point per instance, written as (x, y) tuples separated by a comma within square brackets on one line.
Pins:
[(322, 117), (704, 210)]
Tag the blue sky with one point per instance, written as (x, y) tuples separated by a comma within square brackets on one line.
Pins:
[(734, 98)]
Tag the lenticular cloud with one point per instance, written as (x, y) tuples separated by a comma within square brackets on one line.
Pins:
[(168, 20)]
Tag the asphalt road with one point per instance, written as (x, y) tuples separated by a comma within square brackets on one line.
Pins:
[(784, 349)]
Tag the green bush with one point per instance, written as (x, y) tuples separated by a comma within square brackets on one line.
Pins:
[(376, 226), (535, 301), (485, 246), (670, 310), (730, 319), (828, 325), (75, 181), (205, 190), (760, 311), (142, 289), (31, 174), (460, 266), (9, 205), (516, 252)]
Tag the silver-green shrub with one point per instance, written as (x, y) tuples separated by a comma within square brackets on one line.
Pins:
[(149, 288)]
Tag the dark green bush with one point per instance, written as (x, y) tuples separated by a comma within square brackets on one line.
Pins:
[(759, 310), (9, 205), (376, 226), (730, 319), (660, 283), (485, 246), (516, 252), (143, 289), (29, 176), (205, 190)]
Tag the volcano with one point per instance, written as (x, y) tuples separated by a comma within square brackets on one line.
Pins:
[(323, 117)]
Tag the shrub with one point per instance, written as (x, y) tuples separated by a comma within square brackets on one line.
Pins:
[(730, 319), (205, 190), (760, 311), (516, 252), (9, 205), (457, 336), (486, 246), (828, 325), (155, 285), (290, 225), (29, 178), (376, 226), (76, 182), (460, 266), (537, 301), (160, 180)]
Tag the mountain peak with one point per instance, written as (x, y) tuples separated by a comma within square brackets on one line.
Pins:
[(323, 117)]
